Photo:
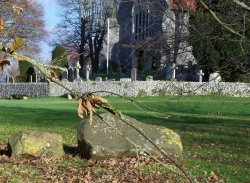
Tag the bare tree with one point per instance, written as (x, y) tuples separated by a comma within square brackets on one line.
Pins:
[(83, 28), (28, 25)]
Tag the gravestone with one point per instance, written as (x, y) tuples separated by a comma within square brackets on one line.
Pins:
[(133, 74), (7, 79), (174, 68), (31, 78), (87, 72), (215, 77), (200, 74), (71, 74), (78, 67), (149, 78), (98, 79), (125, 79), (64, 74)]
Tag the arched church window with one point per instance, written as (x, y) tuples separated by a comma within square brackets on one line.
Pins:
[(141, 20)]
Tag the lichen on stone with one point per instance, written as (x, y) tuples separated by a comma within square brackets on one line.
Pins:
[(177, 142)]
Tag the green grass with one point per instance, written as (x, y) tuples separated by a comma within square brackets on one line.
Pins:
[(215, 130)]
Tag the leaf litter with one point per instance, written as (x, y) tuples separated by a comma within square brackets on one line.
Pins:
[(74, 169)]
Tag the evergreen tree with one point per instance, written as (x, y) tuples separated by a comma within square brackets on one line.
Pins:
[(223, 45), (26, 69), (59, 56)]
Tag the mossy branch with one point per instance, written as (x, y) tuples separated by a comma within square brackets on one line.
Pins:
[(242, 5), (43, 68)]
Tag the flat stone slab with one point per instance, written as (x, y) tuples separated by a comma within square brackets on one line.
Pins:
[(101, 141)]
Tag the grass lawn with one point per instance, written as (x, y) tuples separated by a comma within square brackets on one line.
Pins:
[(215, 130)]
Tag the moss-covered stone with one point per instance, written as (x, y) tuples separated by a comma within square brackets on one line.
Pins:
[(101, 141), (36, 143)]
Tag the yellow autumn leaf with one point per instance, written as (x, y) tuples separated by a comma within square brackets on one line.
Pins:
[(18, 42)]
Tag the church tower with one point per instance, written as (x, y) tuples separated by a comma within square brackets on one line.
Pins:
[(152, 34)]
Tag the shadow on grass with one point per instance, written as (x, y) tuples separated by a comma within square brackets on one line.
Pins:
[(4, 150), (39, 117)]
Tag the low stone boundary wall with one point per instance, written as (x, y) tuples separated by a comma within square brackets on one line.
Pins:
[(154, 88), (27, 89), (138, 88)]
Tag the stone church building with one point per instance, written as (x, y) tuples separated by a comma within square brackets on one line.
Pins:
[(152, 35)]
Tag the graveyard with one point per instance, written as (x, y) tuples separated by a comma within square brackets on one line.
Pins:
[(124, 91), (214, 131)]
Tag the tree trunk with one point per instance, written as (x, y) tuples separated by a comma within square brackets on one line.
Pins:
[(83, 42)]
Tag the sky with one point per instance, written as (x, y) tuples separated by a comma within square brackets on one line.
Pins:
[(51, 18)]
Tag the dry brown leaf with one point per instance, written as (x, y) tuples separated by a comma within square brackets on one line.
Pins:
[(87, 103), (81, 110), (1, 25), (213, 177), (4, 62), (85, 107), (17, 9), (99, 100), (53, 73)]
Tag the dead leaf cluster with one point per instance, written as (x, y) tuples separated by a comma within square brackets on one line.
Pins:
[(87, 104)]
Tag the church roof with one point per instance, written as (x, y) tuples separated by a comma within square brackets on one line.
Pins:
[(183, 5)]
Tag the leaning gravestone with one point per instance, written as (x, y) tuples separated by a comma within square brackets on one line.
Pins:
[(36, 143), (101, 141)]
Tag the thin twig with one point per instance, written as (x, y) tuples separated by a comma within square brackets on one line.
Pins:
[(241, 4), (43, 69), (220, 22), (177, 164), (131, 100)]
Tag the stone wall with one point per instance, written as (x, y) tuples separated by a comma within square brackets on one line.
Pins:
[(27, 89), (138, 88), (154, 88)]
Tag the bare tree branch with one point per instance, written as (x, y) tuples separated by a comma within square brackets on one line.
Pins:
[(219, 21), (241, 4)]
